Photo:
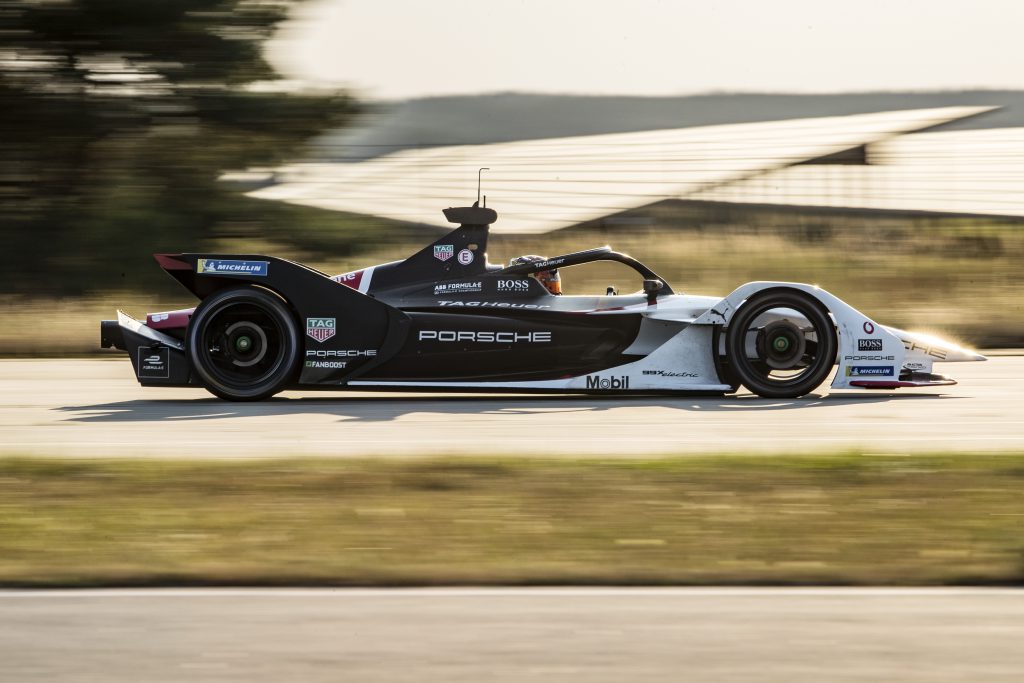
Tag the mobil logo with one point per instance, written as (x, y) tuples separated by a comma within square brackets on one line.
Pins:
[(599, 382)]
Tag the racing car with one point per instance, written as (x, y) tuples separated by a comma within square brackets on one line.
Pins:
[(446, 319)]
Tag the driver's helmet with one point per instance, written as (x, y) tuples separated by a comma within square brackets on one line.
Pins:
[(549, 278)]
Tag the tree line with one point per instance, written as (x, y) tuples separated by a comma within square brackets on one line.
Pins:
[(116, 119)]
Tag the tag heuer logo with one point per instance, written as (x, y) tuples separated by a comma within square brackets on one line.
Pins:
[(443, 252), (320, 329)]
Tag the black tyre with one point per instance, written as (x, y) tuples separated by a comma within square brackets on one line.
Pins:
[(776, 354), (243, 344)]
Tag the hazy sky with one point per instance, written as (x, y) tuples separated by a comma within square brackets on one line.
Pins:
[(386, 49)]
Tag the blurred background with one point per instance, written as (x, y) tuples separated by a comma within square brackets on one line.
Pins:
[(873, 148), (876, 151)]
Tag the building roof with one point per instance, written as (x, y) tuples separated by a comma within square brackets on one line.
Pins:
[(543, 185)]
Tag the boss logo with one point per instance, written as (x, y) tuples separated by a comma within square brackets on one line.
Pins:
[(513, 285), (869, 344)]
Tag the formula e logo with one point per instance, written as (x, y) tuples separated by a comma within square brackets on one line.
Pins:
[(598, 382), (154, 363), (869, 371), (211, 266), (869, 344), (443, 252), (321, 329), (465, 257), (513, 285)]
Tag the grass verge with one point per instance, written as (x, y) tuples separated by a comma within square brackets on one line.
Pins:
[(847, 518)]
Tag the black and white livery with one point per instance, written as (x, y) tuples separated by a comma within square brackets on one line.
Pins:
[(445, 319)]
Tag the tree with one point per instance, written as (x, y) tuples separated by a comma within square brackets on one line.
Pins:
[(117, 117)]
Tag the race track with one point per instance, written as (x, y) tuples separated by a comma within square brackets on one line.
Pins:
[(95, 408), (496, 635)]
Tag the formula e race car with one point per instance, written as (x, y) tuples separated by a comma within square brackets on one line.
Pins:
[(445, 319)]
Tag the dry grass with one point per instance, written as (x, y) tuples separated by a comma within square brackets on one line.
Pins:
[(850, 518)]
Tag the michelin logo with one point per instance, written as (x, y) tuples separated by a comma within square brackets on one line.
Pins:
[(211, 266), (869, 371)]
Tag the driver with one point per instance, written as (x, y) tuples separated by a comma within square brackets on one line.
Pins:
[(549, 278)]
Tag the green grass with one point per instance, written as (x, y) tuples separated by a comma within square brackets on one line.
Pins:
[(848, 518)]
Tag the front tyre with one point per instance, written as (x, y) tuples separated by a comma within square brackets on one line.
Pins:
[(776, 354), (243, 344)]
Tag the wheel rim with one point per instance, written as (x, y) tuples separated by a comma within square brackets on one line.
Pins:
[(243, 344), (781, 350)]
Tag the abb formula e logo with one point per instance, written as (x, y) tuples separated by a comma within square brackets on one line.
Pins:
[(484, 337)]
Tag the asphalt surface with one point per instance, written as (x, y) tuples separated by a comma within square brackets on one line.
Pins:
[(496, 635), (95, 408)]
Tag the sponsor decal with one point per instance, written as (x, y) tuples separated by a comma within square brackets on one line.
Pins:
[(926, 350), (868, 328), (669, 373), (342, 353), (458, 288), (168, 319), (869, 344), (465, 257), (321, 329), (599, 382), (513, 285), (484, 337), (154, 363), (548, 263), (490, 304), (915, 366), (869, 371), (216, 266), (327, 364), (443, 252), (350, 279), (869, 358)]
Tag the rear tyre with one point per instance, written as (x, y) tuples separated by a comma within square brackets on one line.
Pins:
[(243, 344), (776, 354)]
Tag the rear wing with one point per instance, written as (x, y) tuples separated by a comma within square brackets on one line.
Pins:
[(361, 322)]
